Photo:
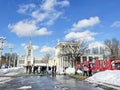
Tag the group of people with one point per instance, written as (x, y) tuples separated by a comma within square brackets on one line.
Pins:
[(87, 70), (41, 69)]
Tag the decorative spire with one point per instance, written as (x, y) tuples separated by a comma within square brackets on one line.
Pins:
[(30, 42), (30, 48)]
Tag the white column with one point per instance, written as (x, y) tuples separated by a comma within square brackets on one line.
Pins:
[(81, 59)]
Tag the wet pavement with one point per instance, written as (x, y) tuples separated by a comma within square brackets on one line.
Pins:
[(58, 82)]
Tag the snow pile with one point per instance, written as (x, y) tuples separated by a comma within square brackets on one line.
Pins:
[(25, 87), (60, 71), (106, 77), (9, 71), (79, 72), (70, 70)]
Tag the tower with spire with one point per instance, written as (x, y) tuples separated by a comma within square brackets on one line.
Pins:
[(29, 51), (29, 54)]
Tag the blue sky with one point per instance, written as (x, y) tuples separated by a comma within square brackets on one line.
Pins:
[(48, 21)]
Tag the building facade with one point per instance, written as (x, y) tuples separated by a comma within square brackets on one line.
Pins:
[(62, 59), (63, 52)]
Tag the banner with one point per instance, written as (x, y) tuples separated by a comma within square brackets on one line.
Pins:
[(86, 63), (107, 64), (97, 64), (77, 64)]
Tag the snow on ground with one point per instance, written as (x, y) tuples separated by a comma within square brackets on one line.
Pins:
[(109, 77), (70, 70), (9, 71), (60, 71), (25, 87), (6, 71)]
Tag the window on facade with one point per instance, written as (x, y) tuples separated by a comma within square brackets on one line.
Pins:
[(88, 51), (84, 58), (21, 61), (90, 58), (96, 58), (29, 52), (95, 50), (36, 61)]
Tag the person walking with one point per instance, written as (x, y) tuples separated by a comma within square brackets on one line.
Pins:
[(27, 69), (55, 68), (85, 70), (90, 70)]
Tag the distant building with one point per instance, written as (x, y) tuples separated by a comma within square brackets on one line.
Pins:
[(11, 59), (29, 59), (62, 57)]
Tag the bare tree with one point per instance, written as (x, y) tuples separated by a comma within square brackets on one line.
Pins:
[(74, 49), (47, 57), (113, 46)]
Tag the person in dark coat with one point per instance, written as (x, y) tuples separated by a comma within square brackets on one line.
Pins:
[(27, 69), (30, 69), (90, 70), (52, 69), (55, 68)]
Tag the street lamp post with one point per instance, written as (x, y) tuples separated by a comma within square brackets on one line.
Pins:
[(2, 40)]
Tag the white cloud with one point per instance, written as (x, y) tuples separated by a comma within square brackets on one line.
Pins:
[(46, 49), (116, 24), (43, 31), (26, 8), (48, 5), (85, 23), (51, 20), (35, 47), (42, 14), (96, 44), (39, 16), (64, 3), (23, 28), (86, 35), (28, 28), (45, 12)]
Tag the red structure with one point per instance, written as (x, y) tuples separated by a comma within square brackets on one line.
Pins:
[(101, 65)]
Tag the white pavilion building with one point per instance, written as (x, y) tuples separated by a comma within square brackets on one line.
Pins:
[(61, 60)]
